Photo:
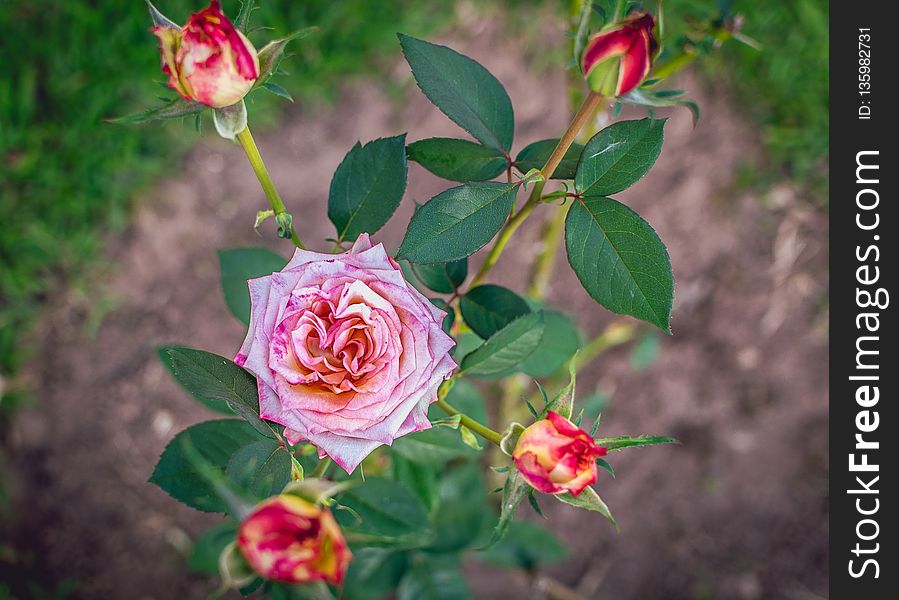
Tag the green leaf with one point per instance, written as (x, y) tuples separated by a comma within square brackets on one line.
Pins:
[(462, 512), (384, 513), (373, 573), (507, 347), (239, 265), (457, 160), (216, 382), (261, 467), (620, 443), (563, 403), (514, 491), (466, 397), (367, 187), (616, 157), (465, 91), (435, 446), (433, 579), (215, 442), (270, 54), (173, 110), (643, 97), (525, 546), (534, 156), (458, 222), (488, 308), (620, 260), (442, 278), (204, 557), (277, 90), (561, 339), (588, 499), (420, 478)]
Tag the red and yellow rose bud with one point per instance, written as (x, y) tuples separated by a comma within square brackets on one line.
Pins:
[(618, 58), (555, 456), (292, 540), (208, 60)]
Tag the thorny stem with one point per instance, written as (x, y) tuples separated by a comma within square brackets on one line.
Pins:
[(479, 428), (591, 102), (268, 186)]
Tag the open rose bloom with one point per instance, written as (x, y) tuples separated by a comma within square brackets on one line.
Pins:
[(208, 60), (347, 354), (555, 456), (618, 58), (291, 540)]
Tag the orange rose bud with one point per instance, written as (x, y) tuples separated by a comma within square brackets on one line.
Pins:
[(208, 60), (292, 540), (555, 457), (618, 58)]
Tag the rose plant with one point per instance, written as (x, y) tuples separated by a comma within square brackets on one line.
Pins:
[(378, 359)]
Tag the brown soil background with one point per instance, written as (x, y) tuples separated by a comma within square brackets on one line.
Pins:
[(739, 511)]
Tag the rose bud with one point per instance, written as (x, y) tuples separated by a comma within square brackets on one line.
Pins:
[(208, 60), (346, 353), (618, 58), (292, 540), (554, 456)]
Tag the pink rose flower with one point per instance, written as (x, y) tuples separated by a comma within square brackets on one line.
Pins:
[(555, 456), (208, 60), (291, 540), (347, 354), (618, 58)]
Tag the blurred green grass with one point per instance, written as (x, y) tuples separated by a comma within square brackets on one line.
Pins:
[(67, 180), (782, 87)]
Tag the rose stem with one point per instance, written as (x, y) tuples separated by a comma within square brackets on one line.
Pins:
[(480, 429), (591, 102), (268, 186)]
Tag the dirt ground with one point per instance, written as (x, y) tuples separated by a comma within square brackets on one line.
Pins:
[(737, 512)]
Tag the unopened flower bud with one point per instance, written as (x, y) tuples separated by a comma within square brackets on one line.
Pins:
[(208, 60), (618, 58), (555, 456)]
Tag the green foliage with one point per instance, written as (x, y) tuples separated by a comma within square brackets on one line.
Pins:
[(443, 278), (506, 348), (535, 155), (59, 202), (367, 187), (782, 87), (465, 91), (588, 499), (373, 573), (561, 339), (216, 442), (216, 382), (620, 260), (619, 155), (457, 160), (204, 556), (525, 546), (433, 579), (488, 308), (262, 468), (239, 265), (457, 223), (384, 513), (620, 443)]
